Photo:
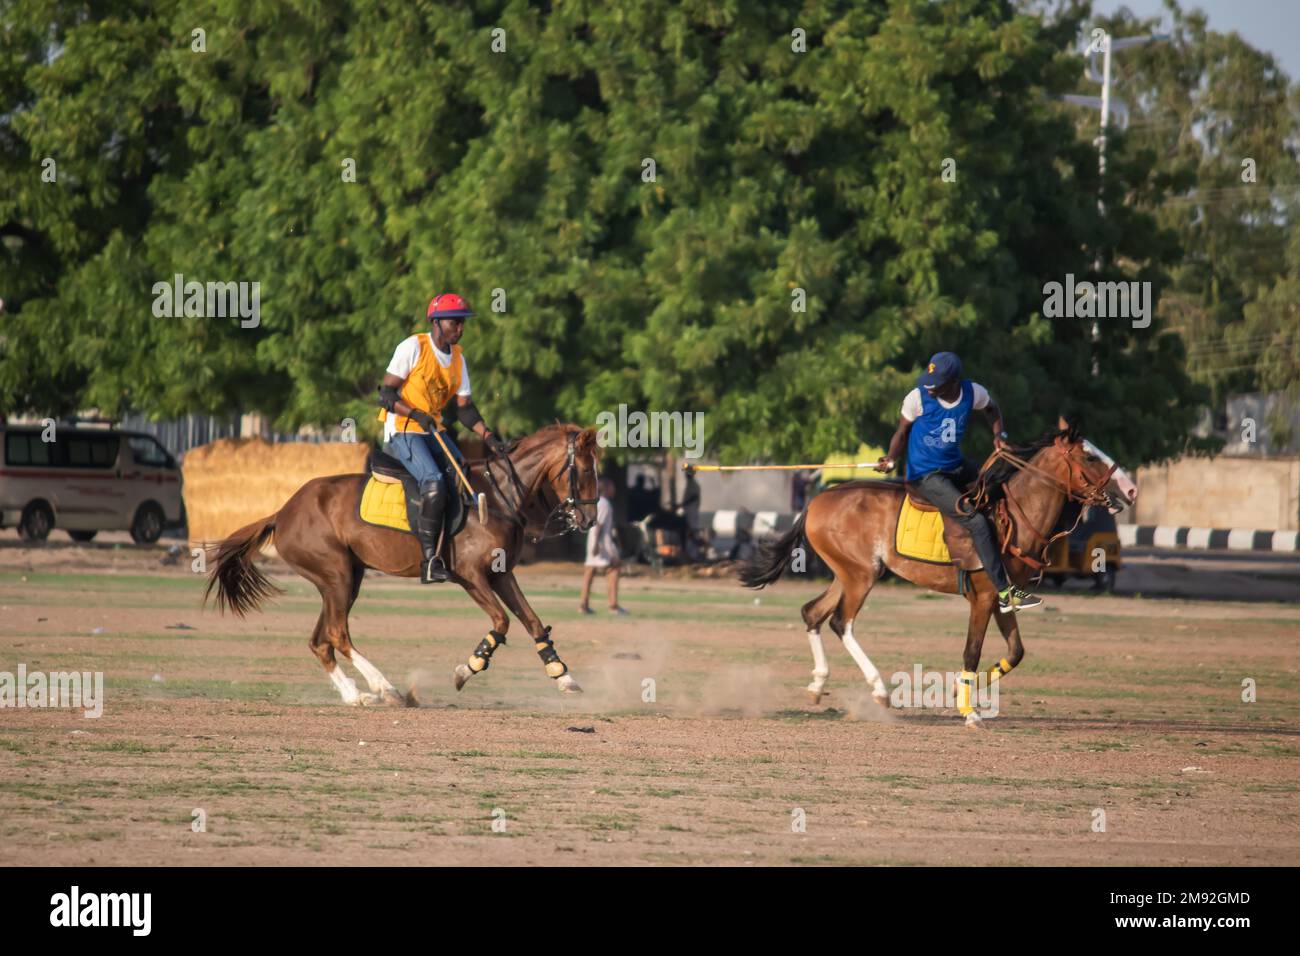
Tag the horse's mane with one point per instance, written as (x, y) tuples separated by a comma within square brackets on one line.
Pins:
[(1002, 471), (546, 433)]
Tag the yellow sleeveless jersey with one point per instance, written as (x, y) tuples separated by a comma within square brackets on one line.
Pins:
[(429, 387)]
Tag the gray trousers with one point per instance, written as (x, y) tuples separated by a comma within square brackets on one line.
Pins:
[(943, 488)]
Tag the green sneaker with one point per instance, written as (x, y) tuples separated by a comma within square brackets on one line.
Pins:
[(1016, 599)]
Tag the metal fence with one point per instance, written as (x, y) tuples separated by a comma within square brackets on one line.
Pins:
[(179, 435)]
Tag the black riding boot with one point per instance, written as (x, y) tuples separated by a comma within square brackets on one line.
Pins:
[(428, 528)]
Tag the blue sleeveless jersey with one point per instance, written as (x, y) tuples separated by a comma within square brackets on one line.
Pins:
[(934, 443)]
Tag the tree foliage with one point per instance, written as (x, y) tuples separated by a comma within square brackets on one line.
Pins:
[(778, 173)]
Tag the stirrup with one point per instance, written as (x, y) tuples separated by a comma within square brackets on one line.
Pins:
[(433, 571)]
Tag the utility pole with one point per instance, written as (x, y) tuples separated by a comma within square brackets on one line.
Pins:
[(1103, 44)]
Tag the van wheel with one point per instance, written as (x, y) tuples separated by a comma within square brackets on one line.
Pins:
[(148, 524), (82, 536), (36, 522)]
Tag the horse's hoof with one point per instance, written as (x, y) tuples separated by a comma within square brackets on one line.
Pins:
[(410, 700), (365, 700), (393, 698), (567, 684), (974, 721), (814, 696), (462, 674), (882, 700)]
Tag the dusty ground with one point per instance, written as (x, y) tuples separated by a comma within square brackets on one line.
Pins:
[(1128, 706)]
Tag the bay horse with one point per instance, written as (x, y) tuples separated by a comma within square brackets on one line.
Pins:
[(852, 527), (319, 533)]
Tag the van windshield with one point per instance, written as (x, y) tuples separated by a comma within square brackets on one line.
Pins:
[(148, 452)]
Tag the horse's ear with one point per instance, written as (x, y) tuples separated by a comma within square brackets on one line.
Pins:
[(587, 441), (1069, 428)]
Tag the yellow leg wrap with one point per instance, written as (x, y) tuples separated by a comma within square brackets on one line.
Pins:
[(546, 651), (482, 656), (964, 686), (1001, 669)]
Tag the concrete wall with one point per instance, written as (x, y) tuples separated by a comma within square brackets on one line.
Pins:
[(1221, 493)]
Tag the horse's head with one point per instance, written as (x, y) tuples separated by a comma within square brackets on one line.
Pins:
[(1120, 490), (572, 472), (1091, 474)]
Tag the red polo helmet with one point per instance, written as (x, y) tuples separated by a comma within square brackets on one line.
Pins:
[(448, 305)]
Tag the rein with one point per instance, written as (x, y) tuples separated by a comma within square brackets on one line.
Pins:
[(566, 510), (1008, 526)]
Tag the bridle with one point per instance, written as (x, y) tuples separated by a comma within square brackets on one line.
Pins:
[(569, 507), (1010, 514), (566, 510)]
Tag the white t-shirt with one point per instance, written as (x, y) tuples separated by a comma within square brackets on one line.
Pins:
[(404, 359), (912, 407), (602, 550)]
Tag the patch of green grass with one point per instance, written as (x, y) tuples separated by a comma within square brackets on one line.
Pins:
[(127, 747)]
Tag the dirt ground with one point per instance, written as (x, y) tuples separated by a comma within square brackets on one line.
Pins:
[(1127, 712)]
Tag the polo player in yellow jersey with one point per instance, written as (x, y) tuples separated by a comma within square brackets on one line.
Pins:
[(426, 372)]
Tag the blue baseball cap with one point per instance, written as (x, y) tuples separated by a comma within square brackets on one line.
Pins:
[(943, 368)]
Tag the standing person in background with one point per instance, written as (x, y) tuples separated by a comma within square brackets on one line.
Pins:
[(690, 508), (602, 552)]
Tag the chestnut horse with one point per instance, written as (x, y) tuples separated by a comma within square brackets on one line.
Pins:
[(851, 526), (320, 534)]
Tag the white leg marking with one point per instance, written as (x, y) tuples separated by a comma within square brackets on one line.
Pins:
[(863, 661), (567, 684), (377, 681), (344, 685), (820, 670)]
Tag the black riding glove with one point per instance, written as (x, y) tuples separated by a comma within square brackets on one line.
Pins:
[(496, 444), (423, 419)]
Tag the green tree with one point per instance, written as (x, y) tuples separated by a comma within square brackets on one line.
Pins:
[(1221, 118), (779, 172)]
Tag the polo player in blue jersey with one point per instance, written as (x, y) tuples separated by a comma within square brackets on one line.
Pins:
[(934, 419)]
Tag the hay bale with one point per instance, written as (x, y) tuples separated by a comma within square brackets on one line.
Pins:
[(232, 482)]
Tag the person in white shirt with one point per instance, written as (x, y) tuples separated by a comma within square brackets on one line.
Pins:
[(426, 374), (602, 552), (933, 420)]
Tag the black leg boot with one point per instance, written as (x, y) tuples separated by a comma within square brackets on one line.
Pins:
[(428, 528)]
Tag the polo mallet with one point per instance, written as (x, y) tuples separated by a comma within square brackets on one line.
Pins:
[(480, 497), (688, 467)]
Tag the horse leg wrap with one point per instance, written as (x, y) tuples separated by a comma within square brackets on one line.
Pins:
[(999, 670), (546, 651), (964, 686), (482, 656)]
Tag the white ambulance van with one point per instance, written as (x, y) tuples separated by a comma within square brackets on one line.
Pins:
[(87, 480)]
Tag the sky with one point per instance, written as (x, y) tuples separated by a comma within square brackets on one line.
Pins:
[(1271, 25)]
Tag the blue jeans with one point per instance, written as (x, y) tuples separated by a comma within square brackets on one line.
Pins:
[(423, 457)]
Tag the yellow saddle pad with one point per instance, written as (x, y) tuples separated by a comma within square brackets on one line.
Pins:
[(384, 503), (920, 535)]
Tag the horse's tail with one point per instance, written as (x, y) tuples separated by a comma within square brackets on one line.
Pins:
[(240, 585), (774, 558)]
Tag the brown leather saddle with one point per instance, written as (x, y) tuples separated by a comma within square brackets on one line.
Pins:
[(960, 546)]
